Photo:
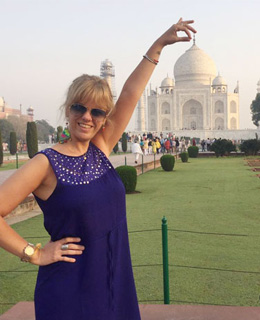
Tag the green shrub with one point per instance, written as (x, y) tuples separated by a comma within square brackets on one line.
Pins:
[(59, 132), (31, 139), (124, 142), (128, 176), (184, 156), (167, 162), (115, 149), (250, 147), (222, 147), (1, 150), (193, 151), (13, 143)]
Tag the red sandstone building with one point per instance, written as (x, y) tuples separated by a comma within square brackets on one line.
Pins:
[(6, 111)]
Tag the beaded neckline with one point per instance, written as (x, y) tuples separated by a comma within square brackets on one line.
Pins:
[(77, 170)]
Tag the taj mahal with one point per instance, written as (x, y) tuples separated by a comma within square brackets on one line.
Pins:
[(196, 103)]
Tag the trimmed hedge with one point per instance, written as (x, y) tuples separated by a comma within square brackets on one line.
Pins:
[(250, 147), (222, 147), (59, 132), (1, 150), (31, 139), (128, 176), (13, 143), (124, 142), (167, 162), (184, 156), (115, 149), (193, 151)]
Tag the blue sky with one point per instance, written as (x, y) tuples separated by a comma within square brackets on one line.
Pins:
[(45, 44)]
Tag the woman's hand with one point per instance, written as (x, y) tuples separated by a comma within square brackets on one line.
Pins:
[(58, 251), (171, 36)]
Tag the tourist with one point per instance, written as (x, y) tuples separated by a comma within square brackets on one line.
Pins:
[(208, 143), (136, 150), (203, 142), (85, 269), (158, 145), (146, 147), (167, 145)]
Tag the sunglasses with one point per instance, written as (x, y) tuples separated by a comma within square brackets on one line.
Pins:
[(78, 110)]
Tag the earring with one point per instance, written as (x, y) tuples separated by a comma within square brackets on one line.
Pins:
[(65, 135), (103, 127)]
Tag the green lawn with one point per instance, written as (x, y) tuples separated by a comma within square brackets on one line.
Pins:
[(212, 208), (11, 165)]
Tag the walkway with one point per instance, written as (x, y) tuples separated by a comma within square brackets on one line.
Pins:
[(25, 311), (116, 160)]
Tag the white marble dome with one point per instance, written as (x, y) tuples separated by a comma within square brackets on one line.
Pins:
[(194, 66), (167, 82), (219, 81)]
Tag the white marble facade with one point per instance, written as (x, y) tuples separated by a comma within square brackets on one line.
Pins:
[(198, 99)]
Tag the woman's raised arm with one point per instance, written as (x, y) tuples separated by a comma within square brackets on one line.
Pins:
[(137, 81)]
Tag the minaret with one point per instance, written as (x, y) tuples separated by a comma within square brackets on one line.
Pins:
[(107, 71), (140, 115), (258, 87)]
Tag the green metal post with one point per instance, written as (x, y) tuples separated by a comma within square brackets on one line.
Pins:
[(165, 261), (142, 163), (16, 160), (125, 161)]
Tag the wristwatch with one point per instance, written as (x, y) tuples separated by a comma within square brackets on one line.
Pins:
[(28, 252)]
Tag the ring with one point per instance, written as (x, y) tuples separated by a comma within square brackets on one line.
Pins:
[(65, 247)]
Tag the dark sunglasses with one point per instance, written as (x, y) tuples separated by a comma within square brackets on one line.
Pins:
[(78, 109)]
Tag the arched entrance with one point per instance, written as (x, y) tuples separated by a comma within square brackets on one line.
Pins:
[(192, 115)]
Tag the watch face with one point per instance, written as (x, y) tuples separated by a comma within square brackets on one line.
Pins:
[(29, 250)]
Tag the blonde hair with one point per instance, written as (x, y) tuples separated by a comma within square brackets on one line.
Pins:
[(92, 89)]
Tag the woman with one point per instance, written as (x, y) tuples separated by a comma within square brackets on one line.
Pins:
[(85, 269)]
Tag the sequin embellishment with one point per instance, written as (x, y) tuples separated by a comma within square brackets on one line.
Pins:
[(79, 170)]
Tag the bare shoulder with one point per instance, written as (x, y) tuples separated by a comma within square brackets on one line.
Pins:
[(23, 182)]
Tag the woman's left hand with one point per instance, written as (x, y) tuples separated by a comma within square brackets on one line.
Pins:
[(171, 36)]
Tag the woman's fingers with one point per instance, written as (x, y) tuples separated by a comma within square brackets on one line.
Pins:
[(69, 239), (69, 248)]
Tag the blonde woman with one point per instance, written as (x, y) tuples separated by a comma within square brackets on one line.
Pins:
[(85, 269)]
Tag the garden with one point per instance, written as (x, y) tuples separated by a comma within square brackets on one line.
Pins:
[(212, 208)]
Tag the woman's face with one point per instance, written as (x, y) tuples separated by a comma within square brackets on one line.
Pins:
[(85, 120)]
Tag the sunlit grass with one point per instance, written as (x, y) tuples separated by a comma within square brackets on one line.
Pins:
[(212, 208)]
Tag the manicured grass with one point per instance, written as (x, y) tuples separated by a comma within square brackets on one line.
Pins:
[(212, 208), (208, 196), (11, 165)]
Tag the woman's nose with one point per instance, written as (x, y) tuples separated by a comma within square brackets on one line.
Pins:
[(87, 115)]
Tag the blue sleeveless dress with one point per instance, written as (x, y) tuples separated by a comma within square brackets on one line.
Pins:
[(88, 202)]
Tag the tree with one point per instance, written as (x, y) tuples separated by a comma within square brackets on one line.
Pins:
[(115, 149), (13, 143), (124, 142), (6, 128), (44, 130), (19, 126), (31, 139), (255, 110), (1, 150)]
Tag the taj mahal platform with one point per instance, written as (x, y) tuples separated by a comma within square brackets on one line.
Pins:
[(237, 135)]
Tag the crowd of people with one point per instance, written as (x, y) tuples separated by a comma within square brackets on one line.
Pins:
[(21, 146), (153, 143)]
